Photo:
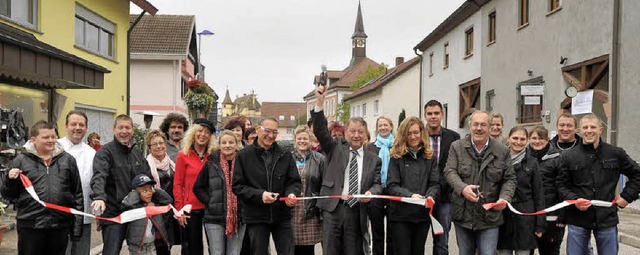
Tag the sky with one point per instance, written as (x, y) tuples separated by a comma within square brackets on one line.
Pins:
[(275, 47)]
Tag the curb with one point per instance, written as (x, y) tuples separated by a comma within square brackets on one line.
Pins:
[(629, 240)]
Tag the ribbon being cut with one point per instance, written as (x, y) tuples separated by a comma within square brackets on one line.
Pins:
[(127, 216)]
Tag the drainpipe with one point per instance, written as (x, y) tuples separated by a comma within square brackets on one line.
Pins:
[(415, 50), (614, 67), (133, 25)]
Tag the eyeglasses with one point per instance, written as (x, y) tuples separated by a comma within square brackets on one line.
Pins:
[(269, 131), (156, 144)]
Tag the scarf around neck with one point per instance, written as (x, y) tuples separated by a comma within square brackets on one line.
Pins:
[(517, 158), (232, 201), (384, 144), (165, 165)]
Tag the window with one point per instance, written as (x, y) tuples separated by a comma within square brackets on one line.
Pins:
[(94, 33), (353, 111), (22, 12), (376, 110), (445, 115), (358, 111), (326, 108), (492, 27), (468, 42), (333, 107), (292, 118), (364, 110), (446, 55), (431, 64), (281, 117), (530, 98), (523, 13), (469, 98), (554, 5), (489, 97)]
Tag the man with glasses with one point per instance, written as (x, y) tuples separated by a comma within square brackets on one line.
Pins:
[(263, 172), (350, 171), (479, 170)]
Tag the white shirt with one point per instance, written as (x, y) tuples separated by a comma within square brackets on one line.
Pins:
[(359, 159), (83, 153)]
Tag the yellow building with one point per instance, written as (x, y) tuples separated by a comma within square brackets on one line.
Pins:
[(60, 55)]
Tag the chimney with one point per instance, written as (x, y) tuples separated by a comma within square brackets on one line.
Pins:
[(399, 60)]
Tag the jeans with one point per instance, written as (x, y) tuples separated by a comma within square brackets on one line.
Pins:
[(219, 243), (112, 237), (82, 246), (578, 238), (441, 242), (514, 252), (42, 241), (484, 241), (146, 249)]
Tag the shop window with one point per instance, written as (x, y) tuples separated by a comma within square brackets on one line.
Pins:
[(22, 12), (32, 104), (94, 33)]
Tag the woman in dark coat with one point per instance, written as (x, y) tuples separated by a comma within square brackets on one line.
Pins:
[(518, 233), (413, 172)]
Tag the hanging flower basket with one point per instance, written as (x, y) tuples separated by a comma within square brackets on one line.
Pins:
[(198, 98)]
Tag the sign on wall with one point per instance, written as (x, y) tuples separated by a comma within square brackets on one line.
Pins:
[(531, 90)]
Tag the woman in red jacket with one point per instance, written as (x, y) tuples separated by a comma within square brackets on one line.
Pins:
[(197, 145)]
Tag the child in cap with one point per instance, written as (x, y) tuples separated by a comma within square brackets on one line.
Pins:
[(142, 234)]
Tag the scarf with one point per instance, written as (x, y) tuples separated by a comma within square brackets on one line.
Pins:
[(232, 201), (517, 158), (165, 165), (538, 154), (384, 144)]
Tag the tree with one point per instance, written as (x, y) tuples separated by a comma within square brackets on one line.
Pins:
[(401, 117), (344, 111), (371, 73)]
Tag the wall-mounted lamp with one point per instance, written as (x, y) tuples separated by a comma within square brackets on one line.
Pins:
[(563, 60)]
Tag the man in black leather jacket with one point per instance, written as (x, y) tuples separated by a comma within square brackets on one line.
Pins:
[(55, 178), (590, 171)]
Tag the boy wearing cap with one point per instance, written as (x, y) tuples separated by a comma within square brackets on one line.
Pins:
[(142, 234)]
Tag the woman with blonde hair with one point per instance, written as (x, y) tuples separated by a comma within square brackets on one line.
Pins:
[(196, 145), (213, 188), (307, 227), (377, 207), (413, 172)]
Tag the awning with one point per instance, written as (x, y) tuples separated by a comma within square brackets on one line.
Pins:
[(25, 60)]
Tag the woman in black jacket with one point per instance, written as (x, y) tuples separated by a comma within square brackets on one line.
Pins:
[(413, 172), (213, 188), (307, 227), (518, 233), (548, 163)]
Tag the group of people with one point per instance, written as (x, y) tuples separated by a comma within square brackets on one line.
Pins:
[(244, 188)]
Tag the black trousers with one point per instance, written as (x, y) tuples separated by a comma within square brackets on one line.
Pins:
[(42, 241), (281, 231), (410, 237), (377, 212), (304, 250), (192, 234), (551, 239), (341, 231)]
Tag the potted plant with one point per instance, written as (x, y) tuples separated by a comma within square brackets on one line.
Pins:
[(198, 99)]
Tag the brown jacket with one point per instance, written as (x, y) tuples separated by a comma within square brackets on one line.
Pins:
[(493, 172)]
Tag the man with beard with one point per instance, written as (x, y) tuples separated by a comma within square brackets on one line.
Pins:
[(76, 126), (114, 166), (588, 172), (174, 126), (566, 137), (479, 170), (440, 139)]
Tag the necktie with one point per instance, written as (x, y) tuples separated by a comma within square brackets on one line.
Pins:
[(353, 178), (435, 146)]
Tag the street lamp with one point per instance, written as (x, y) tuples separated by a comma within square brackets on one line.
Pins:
[(200, 34)]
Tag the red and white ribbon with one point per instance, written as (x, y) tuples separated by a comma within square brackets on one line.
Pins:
[(126, 216), (435, 225), (555, 207)]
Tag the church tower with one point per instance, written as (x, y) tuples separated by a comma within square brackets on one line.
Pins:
[(358, 40), (227, 105)]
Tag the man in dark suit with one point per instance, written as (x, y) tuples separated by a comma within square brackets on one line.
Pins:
[(440, 139), (350, 170)]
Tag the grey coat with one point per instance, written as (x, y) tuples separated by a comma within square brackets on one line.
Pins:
[(493, 172)]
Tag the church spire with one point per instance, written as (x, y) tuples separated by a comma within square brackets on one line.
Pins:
[(227, 98), (358, 39)]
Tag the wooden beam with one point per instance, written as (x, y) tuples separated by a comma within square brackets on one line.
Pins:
[(602, 70), (585, 63), (584, 75), (572, 80)]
